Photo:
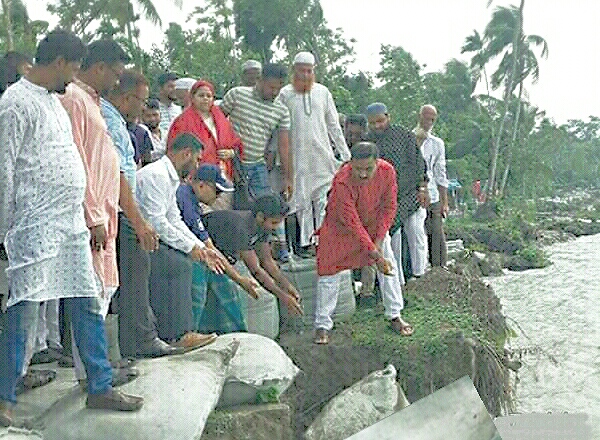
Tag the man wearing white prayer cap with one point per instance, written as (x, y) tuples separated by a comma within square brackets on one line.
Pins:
[(251, 71), (314, 130), (182, 89), (184, 83)]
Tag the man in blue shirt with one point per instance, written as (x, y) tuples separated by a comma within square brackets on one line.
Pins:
[(137, 330)]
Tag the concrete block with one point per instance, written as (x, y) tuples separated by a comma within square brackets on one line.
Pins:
[(551, 426), (33, 404), (455, 412)]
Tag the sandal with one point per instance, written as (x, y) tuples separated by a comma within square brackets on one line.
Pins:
[(321, 337), (34, 379), (401, 327), (45, 356)]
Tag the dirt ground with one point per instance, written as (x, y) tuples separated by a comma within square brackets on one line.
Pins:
[(459, 330)]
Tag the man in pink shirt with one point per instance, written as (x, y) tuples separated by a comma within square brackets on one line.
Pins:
[(100, 72), (82, 102)]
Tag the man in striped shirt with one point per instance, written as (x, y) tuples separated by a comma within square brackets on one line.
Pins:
[(167, 98), (258, 117)]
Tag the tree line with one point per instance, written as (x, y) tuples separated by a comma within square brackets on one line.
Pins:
[(507, 141)]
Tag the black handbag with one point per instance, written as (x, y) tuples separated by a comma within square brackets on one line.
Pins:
[(242, 199)]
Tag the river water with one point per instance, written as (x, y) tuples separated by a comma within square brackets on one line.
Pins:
[(558, 311)]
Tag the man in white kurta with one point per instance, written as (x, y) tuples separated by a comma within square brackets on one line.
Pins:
[(315, 135), (434, 152), (42, 224)]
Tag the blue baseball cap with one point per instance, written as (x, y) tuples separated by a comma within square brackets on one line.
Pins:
[(212, 173)]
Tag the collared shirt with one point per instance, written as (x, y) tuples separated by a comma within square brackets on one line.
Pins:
[(434, 153), (398, 146), (168, 115), (101, 162), (156, 193), (117, 128), (42, 188), (254, 119)]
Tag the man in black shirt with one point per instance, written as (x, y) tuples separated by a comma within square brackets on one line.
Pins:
[(239, 234), (398, 146)]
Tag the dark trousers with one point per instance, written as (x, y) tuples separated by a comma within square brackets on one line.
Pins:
[(171, 292), (88, 331), (436, 238), (137, 323), (406, 261)]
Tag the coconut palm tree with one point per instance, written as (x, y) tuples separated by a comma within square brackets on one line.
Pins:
[(504, 36), (19, 32), (124, 13), (475, 43), (82, 16), (519, 62)]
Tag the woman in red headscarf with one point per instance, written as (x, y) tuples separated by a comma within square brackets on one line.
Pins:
[(207, 122)]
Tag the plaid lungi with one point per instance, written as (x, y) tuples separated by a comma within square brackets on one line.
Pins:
[(216, 304)]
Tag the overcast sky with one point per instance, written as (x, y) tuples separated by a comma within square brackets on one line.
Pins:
[(434, 31)]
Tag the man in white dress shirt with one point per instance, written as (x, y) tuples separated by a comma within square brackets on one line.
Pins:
[(315, 128), (42, 224), (171, 265)]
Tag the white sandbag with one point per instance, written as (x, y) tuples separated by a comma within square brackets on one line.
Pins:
[(179, 393), (262, 314), (356, 408), (259, 373)]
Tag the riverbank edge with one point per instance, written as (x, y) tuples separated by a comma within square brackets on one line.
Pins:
[(515, 235), (459, 330)]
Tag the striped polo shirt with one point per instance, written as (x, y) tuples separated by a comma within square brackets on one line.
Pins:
[(254, 119)]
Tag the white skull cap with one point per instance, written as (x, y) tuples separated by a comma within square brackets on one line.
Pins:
[(251, 64), (184, 83), (304, 58)]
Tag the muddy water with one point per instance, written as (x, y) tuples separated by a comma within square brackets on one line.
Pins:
[(558, 310)]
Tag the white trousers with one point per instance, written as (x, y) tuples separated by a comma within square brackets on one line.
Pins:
[(328, 288), (310, 217), (104, 301), (417, 241), (47, 331)]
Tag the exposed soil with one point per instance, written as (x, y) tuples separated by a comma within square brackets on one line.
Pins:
[(459, 330)]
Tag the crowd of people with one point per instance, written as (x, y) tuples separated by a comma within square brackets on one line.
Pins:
[(117, 203)]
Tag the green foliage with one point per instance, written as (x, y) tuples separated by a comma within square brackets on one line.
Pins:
[(538, 257), (402, 90), (23, 31), (221, 34)]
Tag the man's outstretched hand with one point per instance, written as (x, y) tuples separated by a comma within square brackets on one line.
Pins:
[(292, 304)]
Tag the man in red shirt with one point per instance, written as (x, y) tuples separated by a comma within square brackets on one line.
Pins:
[(355, 233)]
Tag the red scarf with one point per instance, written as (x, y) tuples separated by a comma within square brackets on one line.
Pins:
[(190, 121)]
